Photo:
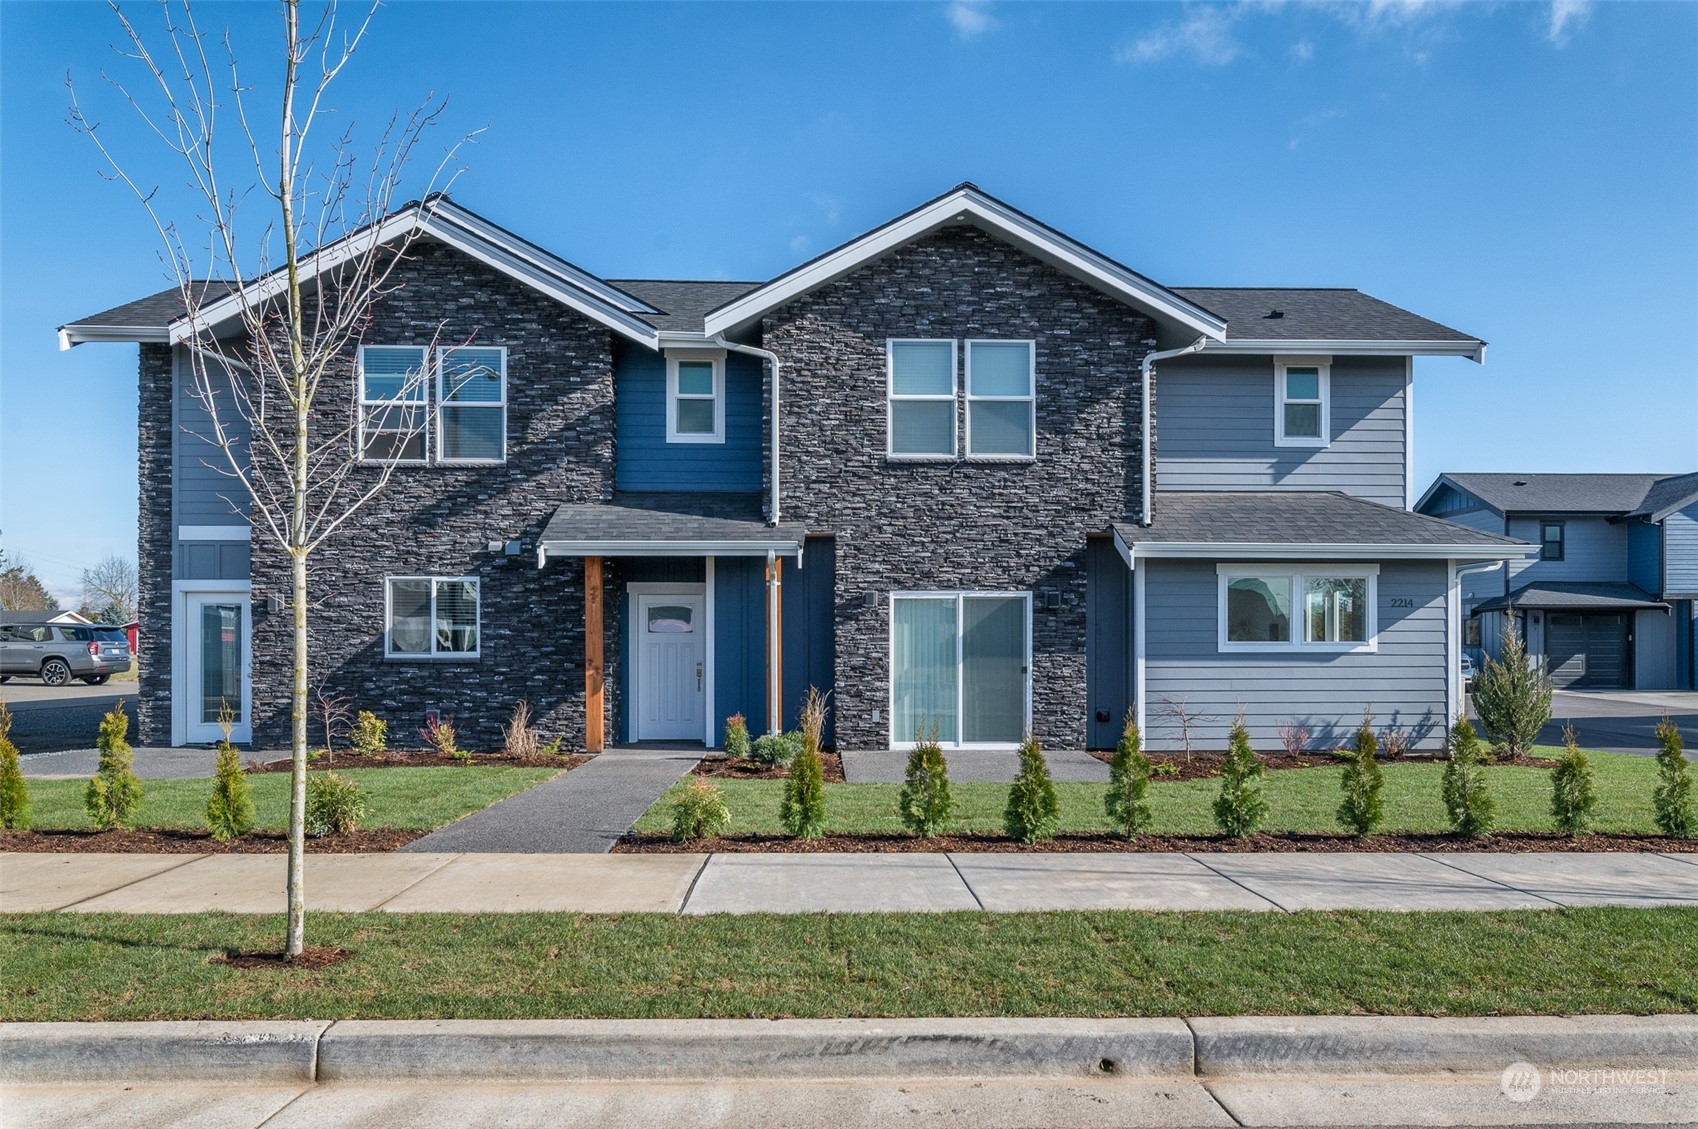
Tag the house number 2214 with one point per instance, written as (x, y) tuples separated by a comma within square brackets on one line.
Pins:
[(1403, 601)]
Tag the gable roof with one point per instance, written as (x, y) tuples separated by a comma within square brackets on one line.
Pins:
[(1324, 319), (1603, 494), (1180, 318), (680, 305), (1568, 595), (1668, 495)]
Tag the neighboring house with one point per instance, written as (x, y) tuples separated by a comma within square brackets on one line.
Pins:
[(951, 524), (42, 617), (1609, 600)]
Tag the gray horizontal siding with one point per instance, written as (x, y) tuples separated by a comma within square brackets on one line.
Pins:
[(1215, 429), (1403, 682), (1479, 586), (1593, 549), (1680, 548)]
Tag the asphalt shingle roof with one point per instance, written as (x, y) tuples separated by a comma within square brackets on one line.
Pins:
[(1297, 518), (684, 303), (1314, 314), (1573, 596), (1669, 494), (156, 311), (1560, 493), (660, 518)]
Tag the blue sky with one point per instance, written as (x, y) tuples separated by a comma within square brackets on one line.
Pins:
[(1527, 172)]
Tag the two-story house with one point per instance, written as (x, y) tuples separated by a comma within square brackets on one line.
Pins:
[(920, 472), (1609, 600)]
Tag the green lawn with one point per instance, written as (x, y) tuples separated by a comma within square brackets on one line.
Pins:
[(62, 966), (1299, 799), (422, 798)]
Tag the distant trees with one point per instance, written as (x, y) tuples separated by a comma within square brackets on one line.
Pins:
[(109, 590), (21, 590)]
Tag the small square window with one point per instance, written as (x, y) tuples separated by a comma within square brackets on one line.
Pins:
[(432, 617), (922, 398), (695, 398)]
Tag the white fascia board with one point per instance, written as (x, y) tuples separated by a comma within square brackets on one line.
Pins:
[(667, 548), (1127, 553), (1018, 229), (1288, 552), (447, 211), (72, 335), (1473, 350)]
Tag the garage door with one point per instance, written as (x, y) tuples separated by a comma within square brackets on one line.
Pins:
[(1587, 652)]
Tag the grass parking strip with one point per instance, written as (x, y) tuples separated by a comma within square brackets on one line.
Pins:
[(498, 966)]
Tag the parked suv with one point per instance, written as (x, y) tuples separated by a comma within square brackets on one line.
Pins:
[(59, 652)]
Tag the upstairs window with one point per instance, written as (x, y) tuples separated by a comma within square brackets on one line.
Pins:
[(1550, 540), (394, 412), (922, 399), (695, 397), (432, 617), (471, 405), (1302, 408), (1001, 405)]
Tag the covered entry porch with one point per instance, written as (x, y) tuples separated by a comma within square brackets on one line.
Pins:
[(683, 618)]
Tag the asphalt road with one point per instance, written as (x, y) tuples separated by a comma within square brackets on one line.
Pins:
[(48, 719), (1621, 721)]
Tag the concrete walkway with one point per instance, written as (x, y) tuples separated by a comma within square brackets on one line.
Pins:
[(977, 766), (584, 811), (846, 883)]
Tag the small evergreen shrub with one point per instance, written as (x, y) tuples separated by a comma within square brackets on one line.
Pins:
[(370, 735), (335, 805), (699, 812), (1240, 809), (1033, 812), (1128, 782), (114, 793), (776, 748), (1512, 696), (230, 808), (1467, 800), (1361, 809), (14, 792), (736, 737), (1573, 796), (1676, 814), (925, 803), (803, 809)]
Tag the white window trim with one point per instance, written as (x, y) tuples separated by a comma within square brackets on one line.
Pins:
[(1030, 399), (1324, 366), (717, 358), (422, 404), (906, 741), (433, 655), (1294, 577), (891, 398), (442, 402)]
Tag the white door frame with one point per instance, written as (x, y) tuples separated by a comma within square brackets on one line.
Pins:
[(633, 678), (182, 693)]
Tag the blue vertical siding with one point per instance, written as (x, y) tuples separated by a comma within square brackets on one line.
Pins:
[(1108, 643), (809, 629), (646, 461), (739, 646), (1645, 556)]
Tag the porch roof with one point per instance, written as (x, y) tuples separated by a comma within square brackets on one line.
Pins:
[(1574, 596), (616, 529)]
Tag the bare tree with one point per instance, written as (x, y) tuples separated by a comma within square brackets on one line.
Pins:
[(21, 590), (111, 586), (1182, 717), (276, 309)]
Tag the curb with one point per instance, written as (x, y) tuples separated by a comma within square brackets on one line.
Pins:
[(363, 1051)]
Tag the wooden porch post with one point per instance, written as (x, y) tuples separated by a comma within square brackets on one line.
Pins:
[(595, 735)]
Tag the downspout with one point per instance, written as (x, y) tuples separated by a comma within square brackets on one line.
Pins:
[(1150, 359), (771, 358), (1457, 691)]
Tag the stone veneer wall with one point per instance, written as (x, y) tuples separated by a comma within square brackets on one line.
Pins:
[(154, 547), (959, 524), (437, 521)]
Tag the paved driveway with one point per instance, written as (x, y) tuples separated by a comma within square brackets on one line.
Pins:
[(1621, 721), (48, 719)]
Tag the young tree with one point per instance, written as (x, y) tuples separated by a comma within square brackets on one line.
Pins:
[(14, 792), (110, 589), (1512, 695), (1676, 814), (1129, 782), (1361, 809), (114, 792), (304, 284), (1240, 809), (1033, 811), (803, 808), (1467, 800), (924, 802), (1574, 797)]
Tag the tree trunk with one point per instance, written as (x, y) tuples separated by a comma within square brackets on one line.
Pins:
[(298, 775)]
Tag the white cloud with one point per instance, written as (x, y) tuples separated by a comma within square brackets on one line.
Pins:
[(1206, 35), (1303, 51), (799, 244), (970, 17), (1567, 17)]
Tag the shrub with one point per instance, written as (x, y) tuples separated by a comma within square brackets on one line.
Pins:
[(519, 739), (1033, 812), (230, 808), (14, 792), (736, 737), (1294, 738), (1394, 743), (335, 805), (370, 735), (1467, 800), (699, 812), (925, 803), (803, 809), (1128, 782), (1361, 810), (113, 793), (440, 738), (1672, 798), (776, 748), (1512, 697), (1573, 797), (1240, 809)]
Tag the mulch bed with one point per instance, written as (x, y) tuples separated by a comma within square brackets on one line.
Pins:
[(312, 958), (393, 759), (1206, 766), (200, 842), (727, 768), (1513, 842)]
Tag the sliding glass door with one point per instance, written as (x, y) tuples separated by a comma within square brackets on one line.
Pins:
[(960, 661)]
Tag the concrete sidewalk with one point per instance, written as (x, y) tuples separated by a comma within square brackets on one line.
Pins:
[(846, 883)]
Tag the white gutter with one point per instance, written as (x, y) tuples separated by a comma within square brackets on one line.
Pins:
[(772, 358), (1150, 360)]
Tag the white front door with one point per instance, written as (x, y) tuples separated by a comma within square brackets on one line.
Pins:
[(670, 635), (218, 665)]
